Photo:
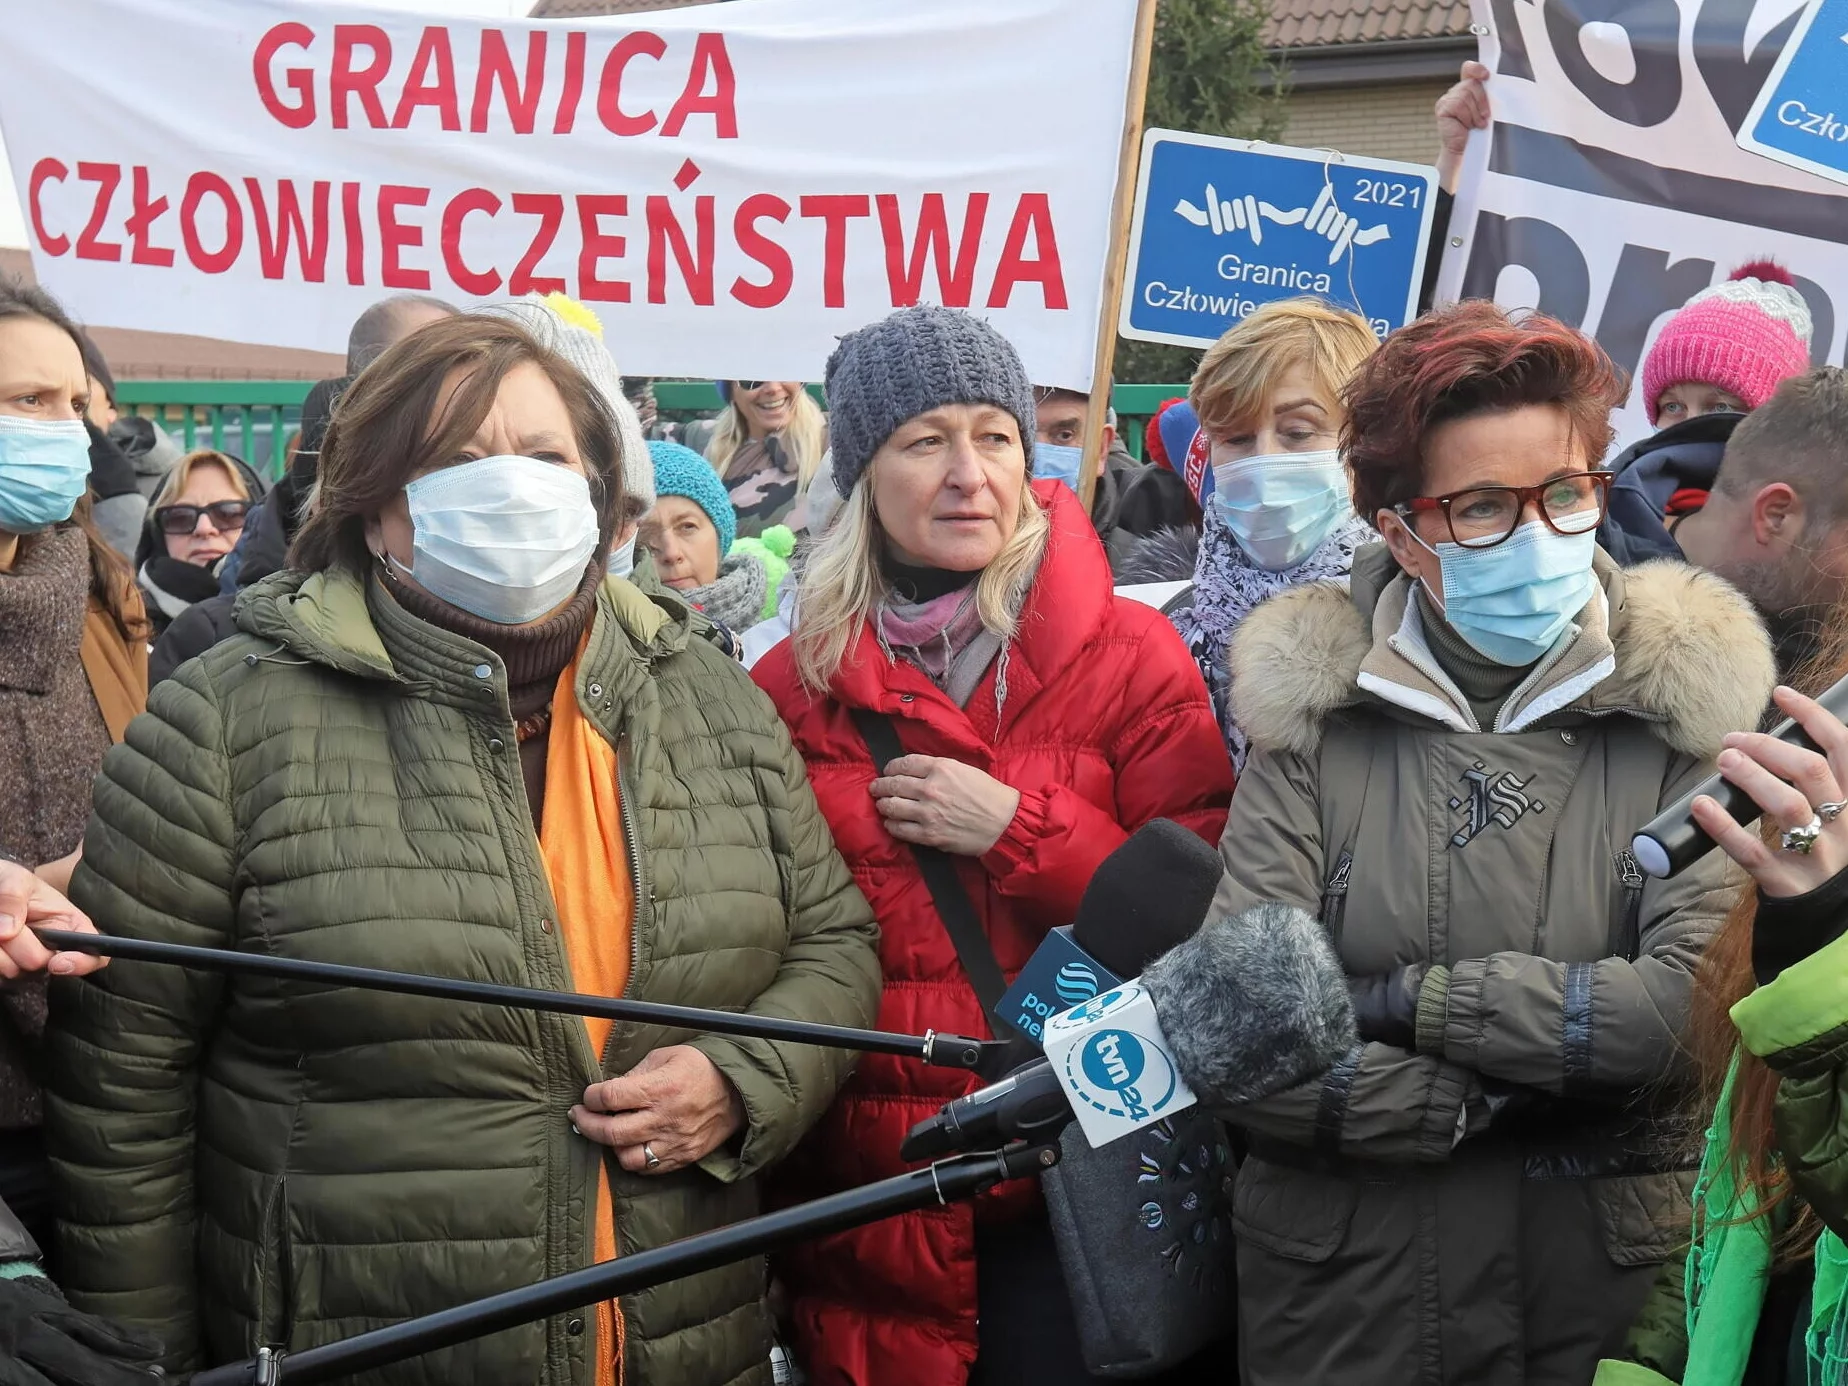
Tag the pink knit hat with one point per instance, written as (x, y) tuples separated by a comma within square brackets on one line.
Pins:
[(1745, 336)]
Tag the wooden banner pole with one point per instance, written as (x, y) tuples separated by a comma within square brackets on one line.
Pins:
[(1122, 210)]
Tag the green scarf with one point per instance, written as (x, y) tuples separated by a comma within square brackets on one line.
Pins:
[(1729, 1264)]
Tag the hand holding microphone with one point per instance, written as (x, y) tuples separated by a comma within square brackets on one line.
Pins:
[(1681, 834), (1803, 791)]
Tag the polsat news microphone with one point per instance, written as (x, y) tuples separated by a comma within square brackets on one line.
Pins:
[(1672, 841)]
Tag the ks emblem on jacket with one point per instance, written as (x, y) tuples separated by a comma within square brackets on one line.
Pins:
[(1492, 798)]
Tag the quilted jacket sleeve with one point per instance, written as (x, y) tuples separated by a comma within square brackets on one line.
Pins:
[(124, 1042), (1169, 761), (1377, 1101), (1581, 1027), (830, 973)]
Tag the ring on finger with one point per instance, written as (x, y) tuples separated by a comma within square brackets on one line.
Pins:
[(1802, 840), (653, 1161), (1828, 813)]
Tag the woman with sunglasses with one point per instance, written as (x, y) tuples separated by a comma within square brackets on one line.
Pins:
[(193, 522), (1449, 762)]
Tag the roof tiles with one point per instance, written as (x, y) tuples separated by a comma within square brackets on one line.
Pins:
[(1307, 23)]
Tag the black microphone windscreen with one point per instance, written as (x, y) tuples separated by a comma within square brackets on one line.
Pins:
[(1150, 894)]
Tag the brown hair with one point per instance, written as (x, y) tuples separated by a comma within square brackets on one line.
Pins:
[(1459, 362), (387, 430), (1232, 387), (112, 581), (1795, 437)]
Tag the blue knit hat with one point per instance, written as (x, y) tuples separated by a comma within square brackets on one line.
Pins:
[(679, 471), (916, 360)]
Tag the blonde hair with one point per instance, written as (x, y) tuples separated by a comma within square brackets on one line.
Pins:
[(843, 585), (179, 476), (1233, 385), (803, 441)]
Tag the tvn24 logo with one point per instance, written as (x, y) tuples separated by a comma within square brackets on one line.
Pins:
[(1117, 1071)]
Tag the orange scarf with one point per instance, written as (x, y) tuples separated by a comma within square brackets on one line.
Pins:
[(587, 863)]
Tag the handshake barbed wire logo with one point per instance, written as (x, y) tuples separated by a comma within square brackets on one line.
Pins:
[(1245, 213)]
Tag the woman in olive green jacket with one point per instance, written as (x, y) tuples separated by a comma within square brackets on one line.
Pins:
[(448, 743)]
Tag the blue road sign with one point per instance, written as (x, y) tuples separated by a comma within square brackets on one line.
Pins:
[(1223, 226), (1801, 115)]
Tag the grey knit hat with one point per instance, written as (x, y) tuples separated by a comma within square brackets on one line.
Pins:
[(571, 330), (917, 360)]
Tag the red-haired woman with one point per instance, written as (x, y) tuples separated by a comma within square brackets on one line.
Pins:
[(1449, 763), (1765, 1278)]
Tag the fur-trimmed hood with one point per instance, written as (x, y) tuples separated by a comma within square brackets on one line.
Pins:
[(1666, 643)]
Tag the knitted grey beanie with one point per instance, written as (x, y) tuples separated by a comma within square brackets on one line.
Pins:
[(917, 360)]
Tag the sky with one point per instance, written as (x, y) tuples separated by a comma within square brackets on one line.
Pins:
[(12, 217)]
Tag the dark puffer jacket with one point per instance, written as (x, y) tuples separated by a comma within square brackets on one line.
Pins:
[(1683, 457), (248, 1162)]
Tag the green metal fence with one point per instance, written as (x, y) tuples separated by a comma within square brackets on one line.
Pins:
[(255, 418), (250, 418)]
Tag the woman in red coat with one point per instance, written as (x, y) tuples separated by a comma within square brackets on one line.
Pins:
[(1043, 719)]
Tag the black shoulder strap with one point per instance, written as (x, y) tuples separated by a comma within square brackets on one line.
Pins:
[(954, 907)]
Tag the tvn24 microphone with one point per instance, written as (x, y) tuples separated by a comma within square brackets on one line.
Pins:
[(1673, 841), (1147, 896)]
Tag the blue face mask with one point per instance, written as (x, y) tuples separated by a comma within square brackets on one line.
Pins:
[(44, 471), (1281, 506), (1514, 601), (1058, 462)]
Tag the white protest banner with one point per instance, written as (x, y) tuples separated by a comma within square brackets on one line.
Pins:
[(731, 187), (1610, 188)]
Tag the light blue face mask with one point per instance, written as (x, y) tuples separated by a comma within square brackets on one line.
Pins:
[(1281, 506), (1057, 462), (44, 471), (622, 558), (1514, 601)]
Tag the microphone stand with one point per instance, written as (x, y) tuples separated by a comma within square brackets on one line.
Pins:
[(941, 1051), (963, 1176)]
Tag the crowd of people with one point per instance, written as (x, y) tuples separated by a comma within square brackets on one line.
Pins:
[(500, 677)]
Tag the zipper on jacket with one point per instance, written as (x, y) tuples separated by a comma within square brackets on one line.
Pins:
[(632, 846), (1334, 897), (1626, 938)]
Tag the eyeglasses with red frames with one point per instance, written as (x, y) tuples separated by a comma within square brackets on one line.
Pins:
[(1484, 516)]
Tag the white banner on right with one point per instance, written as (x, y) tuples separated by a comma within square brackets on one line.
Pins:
[(1610, 187)]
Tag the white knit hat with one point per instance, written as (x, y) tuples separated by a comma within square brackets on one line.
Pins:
[(567, 327)]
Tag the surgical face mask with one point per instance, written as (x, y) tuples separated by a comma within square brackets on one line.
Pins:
[(1514, 601), (503, 538), (622, 558), (1281, 506), (1057, 461), (44, 471)]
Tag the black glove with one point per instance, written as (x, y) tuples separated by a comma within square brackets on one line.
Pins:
[(1386, 1005), (45, 1342)]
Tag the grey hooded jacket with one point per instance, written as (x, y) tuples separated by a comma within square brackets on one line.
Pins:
[(1486, 1207)]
